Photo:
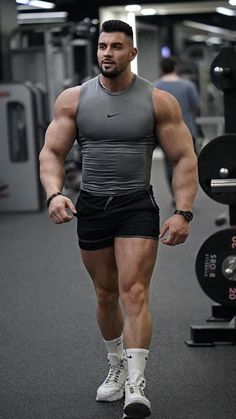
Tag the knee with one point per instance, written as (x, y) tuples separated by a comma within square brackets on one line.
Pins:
[(134, 298), (107, 298)]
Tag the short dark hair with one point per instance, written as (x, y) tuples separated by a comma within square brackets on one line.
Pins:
[(116, 25), (168, 65)]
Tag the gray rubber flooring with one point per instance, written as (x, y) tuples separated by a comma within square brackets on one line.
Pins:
[(52, 357)]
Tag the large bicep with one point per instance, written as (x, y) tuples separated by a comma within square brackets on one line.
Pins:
[(175, 139), (60, 136), (172, 133)]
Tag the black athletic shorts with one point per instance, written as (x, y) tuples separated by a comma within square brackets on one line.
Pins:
[(102, 218)]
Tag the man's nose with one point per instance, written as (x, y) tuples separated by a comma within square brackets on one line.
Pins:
[(107, 51)]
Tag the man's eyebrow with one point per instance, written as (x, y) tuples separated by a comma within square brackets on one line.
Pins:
[(113, 43)]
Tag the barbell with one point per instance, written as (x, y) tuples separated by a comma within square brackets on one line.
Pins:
[(217, 169), (216, 267), (223, 69)]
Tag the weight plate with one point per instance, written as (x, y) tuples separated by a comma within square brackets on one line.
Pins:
[(218, 154), (223, 69), (211, 263)]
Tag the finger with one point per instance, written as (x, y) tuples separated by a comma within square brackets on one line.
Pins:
[(71, 206), (169, 241), (177, 239), (59, 216), (64, 217), (171, 238), (181, 239), (163, 231), (54, 218)]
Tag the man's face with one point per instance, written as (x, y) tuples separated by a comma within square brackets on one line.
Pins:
[(115, 51)]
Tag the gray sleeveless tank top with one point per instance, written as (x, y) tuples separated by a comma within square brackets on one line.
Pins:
[(116, 135)]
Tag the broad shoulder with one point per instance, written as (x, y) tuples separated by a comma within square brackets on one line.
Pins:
[(165, 104), (67, 100)]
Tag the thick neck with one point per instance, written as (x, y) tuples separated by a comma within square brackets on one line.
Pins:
[(117, 84)]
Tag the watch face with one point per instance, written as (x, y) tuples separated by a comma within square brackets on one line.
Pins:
[(188, 216)]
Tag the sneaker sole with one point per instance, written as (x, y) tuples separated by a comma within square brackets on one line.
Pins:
[(137, 410), (116, 396)]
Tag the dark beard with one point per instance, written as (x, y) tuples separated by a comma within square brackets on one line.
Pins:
[(114, 73), (108, 74)]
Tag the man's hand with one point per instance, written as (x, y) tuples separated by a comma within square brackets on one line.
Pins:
[(61, 209), (174, 231)]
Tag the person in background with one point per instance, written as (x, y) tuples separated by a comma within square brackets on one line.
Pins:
[(186, 93)]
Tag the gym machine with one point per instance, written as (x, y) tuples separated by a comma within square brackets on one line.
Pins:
[(216, 260), (43, 54), (52, 54), (21, 140), (49, 57)]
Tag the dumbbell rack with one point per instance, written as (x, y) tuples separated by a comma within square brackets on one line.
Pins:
[(216, 261)]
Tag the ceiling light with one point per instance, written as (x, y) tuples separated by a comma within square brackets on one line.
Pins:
[(148, 12), (214, 40), (162, 12), (37, 3), (232, 2), (225, 11), (41, 4), (46, 17), (133, 8), (198, 38)]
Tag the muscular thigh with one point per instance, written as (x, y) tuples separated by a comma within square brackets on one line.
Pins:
[(135, 259), (101, 266)]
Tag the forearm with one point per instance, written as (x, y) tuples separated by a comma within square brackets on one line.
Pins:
[(51, 172), (185, 182)]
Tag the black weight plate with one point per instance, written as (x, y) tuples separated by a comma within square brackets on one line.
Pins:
[(217, 154), (209, 263), (226, 60)]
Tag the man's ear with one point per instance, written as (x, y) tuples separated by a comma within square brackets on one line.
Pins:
[(133, 53)]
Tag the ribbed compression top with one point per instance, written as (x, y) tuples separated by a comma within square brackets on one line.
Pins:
[(116, 135)]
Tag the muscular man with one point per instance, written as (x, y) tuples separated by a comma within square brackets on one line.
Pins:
[(118, 119)]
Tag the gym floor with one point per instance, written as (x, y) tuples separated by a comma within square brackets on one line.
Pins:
[(51, 353)]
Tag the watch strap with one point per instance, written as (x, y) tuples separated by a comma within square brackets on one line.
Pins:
[(188, 215)]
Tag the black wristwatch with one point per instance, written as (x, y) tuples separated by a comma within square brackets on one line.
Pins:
[(188, 215)]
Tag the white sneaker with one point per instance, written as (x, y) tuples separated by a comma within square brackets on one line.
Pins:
[(113, 387), (136, 403)]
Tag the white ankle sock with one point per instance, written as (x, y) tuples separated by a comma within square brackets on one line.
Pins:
[(137, 359), (115, 346)]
